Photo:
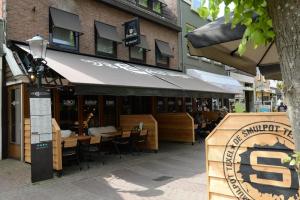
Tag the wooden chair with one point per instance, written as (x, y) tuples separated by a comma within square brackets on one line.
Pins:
[(123, 140), (70, 151)]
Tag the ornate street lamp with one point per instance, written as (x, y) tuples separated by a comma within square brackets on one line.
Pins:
[(38, 48)]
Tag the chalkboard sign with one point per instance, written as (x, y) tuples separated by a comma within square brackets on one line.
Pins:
[(41, 135)]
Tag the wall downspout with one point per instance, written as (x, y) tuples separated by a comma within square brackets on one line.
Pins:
[(1, 83)]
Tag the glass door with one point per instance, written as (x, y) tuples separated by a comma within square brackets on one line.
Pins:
[(14, 122)]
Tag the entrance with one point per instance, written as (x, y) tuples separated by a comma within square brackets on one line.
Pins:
[(14, 122)]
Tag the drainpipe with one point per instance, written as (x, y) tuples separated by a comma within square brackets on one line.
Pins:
[(1, 80), (180, 46)]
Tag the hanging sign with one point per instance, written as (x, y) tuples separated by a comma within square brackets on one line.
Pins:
[(132, 32), (41, 135)]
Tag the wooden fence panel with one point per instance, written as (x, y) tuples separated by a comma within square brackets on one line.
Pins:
[(56, 142), (178, 127)]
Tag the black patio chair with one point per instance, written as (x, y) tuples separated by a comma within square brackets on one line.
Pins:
[(141, 139), (123, 141), (70, 151), (90, 149)]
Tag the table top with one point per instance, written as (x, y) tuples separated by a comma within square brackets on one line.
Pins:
[(86, 137)]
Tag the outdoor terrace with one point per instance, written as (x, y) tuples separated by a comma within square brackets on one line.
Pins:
[(176, 172)]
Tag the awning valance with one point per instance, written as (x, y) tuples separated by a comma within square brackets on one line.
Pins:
[(227, 83), (164, 48), (65, 20), (107, 31), (98, 76)]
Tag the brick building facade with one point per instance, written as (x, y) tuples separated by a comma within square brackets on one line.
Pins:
[(30, 17)]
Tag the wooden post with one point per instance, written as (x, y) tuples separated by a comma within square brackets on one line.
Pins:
[(80, 114), (101, 110), (194, 105), (183, 105), (166, 105), (118, 110), (26, 102), (153, 106), (56, 105)]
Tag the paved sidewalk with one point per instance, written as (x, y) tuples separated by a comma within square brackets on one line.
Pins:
[(177, 172)]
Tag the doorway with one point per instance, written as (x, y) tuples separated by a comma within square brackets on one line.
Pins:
[(14, 122)]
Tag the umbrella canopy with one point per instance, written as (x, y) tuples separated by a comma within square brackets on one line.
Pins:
[(217, 41)]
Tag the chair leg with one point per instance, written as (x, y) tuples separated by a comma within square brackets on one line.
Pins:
[(78, 162), (117, 149)]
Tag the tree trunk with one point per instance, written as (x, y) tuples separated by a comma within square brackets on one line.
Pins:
[(286, 22)]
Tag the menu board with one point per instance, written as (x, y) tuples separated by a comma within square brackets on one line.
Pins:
[(40, 116), (41, 134)]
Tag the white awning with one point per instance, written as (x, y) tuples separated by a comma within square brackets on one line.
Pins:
[(11, 61), (226, 83), (93, 75), (242, 78)]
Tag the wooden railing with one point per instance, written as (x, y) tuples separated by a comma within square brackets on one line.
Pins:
[(56, 142), (175, 127)]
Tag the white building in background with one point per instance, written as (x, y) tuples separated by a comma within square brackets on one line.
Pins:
[(248, 95)]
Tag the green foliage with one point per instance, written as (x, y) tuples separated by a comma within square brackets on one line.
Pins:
[(280, 85), (294, 160), (259, 30)]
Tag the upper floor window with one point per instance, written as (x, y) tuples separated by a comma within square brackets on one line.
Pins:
[(163, 53), (138, 53), (153, 5), (64, 29), (107, 39), (157, 7), (144, 3)]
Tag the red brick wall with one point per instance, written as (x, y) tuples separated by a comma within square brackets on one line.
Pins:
[(27, 18)]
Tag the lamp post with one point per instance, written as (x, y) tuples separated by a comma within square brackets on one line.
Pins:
[(40, 114), (38, 48)]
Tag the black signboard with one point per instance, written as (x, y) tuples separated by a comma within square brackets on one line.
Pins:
[(41, 135), (132, 32)]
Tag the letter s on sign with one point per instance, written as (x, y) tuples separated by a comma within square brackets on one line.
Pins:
[(265, 174)]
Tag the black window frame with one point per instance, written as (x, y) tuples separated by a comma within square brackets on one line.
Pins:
[(143, 61), (62, 46), (157, 55), (101, 53)]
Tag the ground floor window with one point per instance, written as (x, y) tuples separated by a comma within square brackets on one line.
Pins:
[(110, 111), (91, 111), (132, 105), (68, 110)]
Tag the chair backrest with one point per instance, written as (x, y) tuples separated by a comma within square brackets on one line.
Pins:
[(126, 134), (144, 132), (70, 143), (95, 140)]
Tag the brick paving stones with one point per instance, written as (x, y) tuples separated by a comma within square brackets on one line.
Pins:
[(176, 172)]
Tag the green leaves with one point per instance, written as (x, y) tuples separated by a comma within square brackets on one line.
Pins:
[(203, 12), (259, 29), (227, 14)]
